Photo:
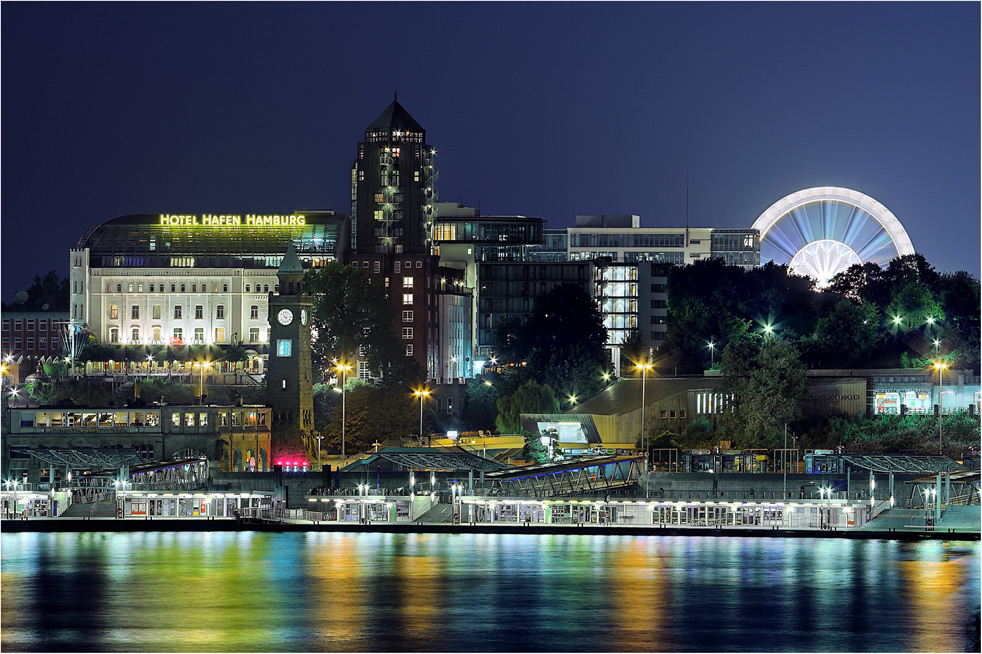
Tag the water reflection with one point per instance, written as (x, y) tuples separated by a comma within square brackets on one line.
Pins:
[(249, 592)]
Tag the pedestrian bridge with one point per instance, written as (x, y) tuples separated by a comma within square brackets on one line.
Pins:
[(577, 477)]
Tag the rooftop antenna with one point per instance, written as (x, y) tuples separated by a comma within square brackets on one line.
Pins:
[(687, 207)]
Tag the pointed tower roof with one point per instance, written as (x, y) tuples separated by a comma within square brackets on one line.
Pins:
[(291, 263), (396, 119)]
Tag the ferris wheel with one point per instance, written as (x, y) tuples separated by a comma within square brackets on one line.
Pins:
[(821, 231)]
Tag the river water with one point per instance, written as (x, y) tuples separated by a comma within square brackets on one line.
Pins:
[(368, 592)]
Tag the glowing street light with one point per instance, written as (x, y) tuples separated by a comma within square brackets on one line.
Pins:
[(768, 330), (422, 393), (712, 353), (937, 346), (343, 368), (644, 367), (572, 400), (940, 367), (201, 365)]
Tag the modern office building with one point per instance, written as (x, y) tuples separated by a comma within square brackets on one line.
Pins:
[(192, 278)]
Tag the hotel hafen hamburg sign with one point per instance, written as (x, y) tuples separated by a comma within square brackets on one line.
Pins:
[(232, 220)]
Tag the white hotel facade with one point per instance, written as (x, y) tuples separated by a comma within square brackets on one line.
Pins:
[(166, 279)]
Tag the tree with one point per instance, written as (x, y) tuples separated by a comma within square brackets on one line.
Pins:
[(848, 334), (562, 342), (530, 397), (767, 384), (351, 311), (371, 413), (633, 348), (49, 293), (533, 449), (481, 406)]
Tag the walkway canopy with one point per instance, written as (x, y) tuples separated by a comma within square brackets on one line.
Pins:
[(431, 458), (82, 457), (577, 477), (903, 463)]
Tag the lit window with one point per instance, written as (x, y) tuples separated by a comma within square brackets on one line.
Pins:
[(135, 335), (254, 335), (219, 334), (407, 298), (114, 311), (284, 347), (407, 282)]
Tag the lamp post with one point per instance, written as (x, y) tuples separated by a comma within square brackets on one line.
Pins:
[(940, 367), (421, 394), (645, 367), (201, 365), (319, 464), (343, 368)]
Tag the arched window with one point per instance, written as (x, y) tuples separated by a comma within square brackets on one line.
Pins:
[(119, 288), (224, 288), (182, 288), (247, 288)]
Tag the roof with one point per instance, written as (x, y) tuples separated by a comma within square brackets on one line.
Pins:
[(624, 395), (395, 118), (291, 263)]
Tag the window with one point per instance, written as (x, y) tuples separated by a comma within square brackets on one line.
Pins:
[(182, 288), (171, 288), (194, 288), (113, 312), (284, 347), (199, 312), (220, 311), (202, 419), (178, 334), (156, 333), (407, 333), (223, 419), (265, 288), (398, 268), (177, 312), (407, 298), (219, 334), (189, 420), (156, 312), (135, 335), (407, 316), (254, 335), (224, 288), (135, 312), (119, 288), (409, 350), (151, 288), (419, 264), (175, 419), (377, 267), (254, 312), (114, 335), (199, 334), (363, 370), (407, 282), (235, 419)]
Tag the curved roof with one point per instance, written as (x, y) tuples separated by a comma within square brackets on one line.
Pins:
[(142, 236)]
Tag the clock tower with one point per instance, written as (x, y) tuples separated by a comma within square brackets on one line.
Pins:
[(289, 381)]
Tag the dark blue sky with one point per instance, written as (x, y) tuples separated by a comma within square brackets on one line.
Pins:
[(548, 110)]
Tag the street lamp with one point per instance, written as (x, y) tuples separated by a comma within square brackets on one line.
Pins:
[(937, 345), (319, 464), (344, 368), (940, 367), (201, 365), (712, 353), (572, 400), (645, 367), (422, 393)]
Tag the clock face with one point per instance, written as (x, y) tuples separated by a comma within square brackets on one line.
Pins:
[(303, 316), (285, 316)]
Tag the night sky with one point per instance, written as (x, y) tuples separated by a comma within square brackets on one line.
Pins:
[(547, 110)]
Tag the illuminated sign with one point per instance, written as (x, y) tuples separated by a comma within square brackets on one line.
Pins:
[(284, 347), (232, 220)]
